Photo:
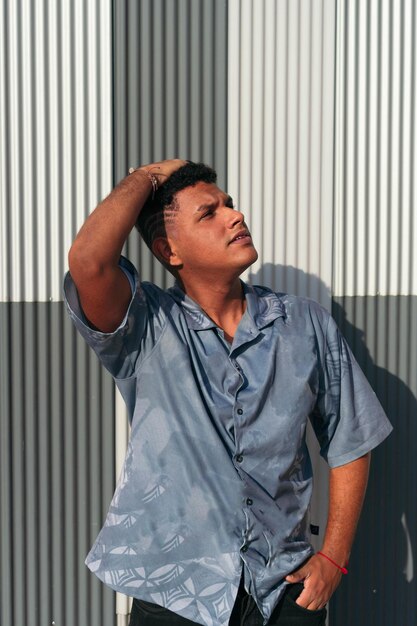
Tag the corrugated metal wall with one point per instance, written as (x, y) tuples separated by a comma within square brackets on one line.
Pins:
[(307, 110), (170, 91), (56, 422), (375, 289), (55, 443), (375, 156), (56, 141), (280, 137)]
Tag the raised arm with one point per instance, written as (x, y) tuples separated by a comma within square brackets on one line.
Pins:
[(103, 288), (346, 493)]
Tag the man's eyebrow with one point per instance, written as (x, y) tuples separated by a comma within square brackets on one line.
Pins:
[(203, 207), (211, 205)]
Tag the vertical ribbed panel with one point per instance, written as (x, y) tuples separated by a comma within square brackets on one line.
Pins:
[(56, 469), (123, 602), (375, 286), (56, 404), (382, 588), (55, 141), (376, 144), (280, 137), (170, 98)]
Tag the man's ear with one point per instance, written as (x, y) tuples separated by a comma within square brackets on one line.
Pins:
[(164, 252)]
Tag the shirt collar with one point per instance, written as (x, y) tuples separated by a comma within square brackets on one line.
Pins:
[(263, 306), (194, 314)]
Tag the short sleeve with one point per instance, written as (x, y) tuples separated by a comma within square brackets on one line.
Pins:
[(119, 351), (348, 419)]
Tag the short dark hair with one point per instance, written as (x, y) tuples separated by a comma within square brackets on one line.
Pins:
[(162, 207)]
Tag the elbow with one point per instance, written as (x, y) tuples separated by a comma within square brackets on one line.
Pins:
[(82, 264)]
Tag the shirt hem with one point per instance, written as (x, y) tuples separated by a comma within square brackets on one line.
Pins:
[(363, 449)]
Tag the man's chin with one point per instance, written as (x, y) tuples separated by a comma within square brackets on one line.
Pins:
[(249, 262), (254, 257)]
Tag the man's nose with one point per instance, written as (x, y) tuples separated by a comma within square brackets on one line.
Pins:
[(234, 217)]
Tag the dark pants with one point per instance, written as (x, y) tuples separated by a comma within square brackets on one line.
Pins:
[(245, 612)]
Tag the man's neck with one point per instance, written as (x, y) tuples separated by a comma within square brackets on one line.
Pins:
[(223, 301)]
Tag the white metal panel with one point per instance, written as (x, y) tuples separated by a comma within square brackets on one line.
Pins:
[(280, 139), (56, 139), (376, 159), (3, 167), (122, 432), (280, 150)]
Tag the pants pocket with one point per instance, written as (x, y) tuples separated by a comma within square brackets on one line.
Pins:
[(296, 614)]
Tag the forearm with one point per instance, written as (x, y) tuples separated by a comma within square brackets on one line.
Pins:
[(102, 236), (103, 289), (347, 487), (346, 493), (100, 240)]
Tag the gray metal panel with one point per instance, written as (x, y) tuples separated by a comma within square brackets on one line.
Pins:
[(56, 469), (170, 91), (382, 587)]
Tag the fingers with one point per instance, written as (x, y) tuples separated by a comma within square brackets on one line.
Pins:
[(298, 576), (163, 169), (301, 574), (309, 601), (319, 582)]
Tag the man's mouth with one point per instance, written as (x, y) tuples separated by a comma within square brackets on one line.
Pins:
[(242, 236)]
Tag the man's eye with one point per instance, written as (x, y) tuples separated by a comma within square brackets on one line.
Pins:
[(207, 215)]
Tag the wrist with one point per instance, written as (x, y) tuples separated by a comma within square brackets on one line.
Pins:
[(337, 548), (341, 567), (150, 176)]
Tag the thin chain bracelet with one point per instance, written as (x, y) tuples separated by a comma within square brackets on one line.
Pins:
[(152, 178)]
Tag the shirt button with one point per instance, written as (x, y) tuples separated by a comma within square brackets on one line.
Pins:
[(249, 501), (244, 548), (239, 458), (240, 411)]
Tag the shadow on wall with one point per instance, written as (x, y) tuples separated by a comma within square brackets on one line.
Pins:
[(381, 588)]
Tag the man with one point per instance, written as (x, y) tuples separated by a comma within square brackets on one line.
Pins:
[(209, 522)]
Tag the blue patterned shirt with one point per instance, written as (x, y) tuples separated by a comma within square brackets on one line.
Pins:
[(217, 474)]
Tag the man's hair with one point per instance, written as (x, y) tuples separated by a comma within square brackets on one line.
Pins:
[(162, 207)]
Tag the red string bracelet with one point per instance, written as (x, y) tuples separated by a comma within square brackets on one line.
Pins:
[(342, 569)]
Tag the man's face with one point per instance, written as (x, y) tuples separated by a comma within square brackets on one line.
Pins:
[(208, 234)]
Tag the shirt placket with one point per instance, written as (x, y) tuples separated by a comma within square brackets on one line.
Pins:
[(239, 455)]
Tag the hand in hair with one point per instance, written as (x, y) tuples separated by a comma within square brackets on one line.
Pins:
[(162, 170), (103, 288)]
